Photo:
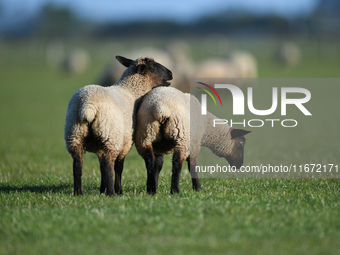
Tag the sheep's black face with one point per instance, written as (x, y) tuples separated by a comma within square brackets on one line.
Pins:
[(236, 156), (159, 72), (156, 74)]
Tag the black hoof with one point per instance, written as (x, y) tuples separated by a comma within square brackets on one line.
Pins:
[(151, 190)]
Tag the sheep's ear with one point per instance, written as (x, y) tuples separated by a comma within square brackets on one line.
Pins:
[(238, 133), (141, 69), (124, 61)]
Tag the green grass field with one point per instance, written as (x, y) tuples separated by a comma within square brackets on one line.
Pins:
[(40, 215)]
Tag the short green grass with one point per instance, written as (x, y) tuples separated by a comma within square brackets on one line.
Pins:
[(39, 215)]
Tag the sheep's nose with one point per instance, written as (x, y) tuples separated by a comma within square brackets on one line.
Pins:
[(170, 75), (235, 163)]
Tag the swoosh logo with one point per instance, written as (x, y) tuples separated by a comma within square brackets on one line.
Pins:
[(208, 92)]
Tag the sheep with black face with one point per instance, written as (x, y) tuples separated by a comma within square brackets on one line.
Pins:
[(100, 120), (163, 121)]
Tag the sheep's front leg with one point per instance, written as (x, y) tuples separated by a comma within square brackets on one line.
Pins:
[(177, 163), (106, 168), (118, 175), (149, 159), (159, 159), (192, 162), (77, 156)]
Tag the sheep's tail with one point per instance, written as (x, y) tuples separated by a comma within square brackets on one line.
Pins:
[(162, 114), (88, 113)]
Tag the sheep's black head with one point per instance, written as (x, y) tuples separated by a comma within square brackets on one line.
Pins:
[(155, 73), (235, 158)]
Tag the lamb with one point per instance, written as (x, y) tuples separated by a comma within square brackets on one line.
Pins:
[(163, 121), (100, 120)]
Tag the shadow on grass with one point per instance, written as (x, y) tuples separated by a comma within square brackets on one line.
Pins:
[(65, 189), (62, 188)]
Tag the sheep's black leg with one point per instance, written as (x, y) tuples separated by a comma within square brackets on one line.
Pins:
[(106, 169), (149, 159), (159, 159), (177, 163), (118, 175), (102, 183), (77, 171), (194, 177)]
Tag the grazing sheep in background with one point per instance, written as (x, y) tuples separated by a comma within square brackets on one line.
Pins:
[(100, 120), (239, 64), (288, 54), (76, 62), (245, 64), (163, 121), (183, 66), (215, 68)]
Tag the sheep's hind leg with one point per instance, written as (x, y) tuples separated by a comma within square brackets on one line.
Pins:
[(194, 177), (102, 183), (118, 175), (149, 159), (159, 159), (177, 163), (107, 160), (77, 155)]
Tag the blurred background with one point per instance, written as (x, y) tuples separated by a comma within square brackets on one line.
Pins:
[(215, 38)]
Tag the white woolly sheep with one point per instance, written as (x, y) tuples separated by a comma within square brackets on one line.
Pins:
[(216, 68), (288, 54), (100, 120), (76, 62), (245, 64), (239, 64), (163, 121)]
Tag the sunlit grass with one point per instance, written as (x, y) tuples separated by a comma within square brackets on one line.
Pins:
[(39, 215)]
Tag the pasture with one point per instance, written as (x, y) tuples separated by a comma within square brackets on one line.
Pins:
[(40, 215)]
